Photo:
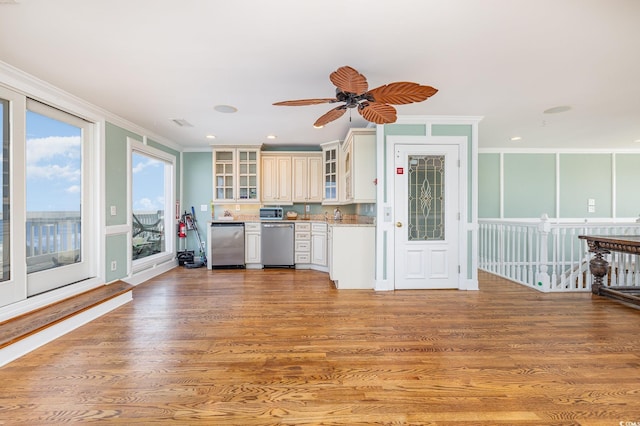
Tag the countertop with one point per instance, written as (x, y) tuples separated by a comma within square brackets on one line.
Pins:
[(330, 222)]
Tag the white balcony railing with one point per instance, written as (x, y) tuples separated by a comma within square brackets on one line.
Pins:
[(550, 256)]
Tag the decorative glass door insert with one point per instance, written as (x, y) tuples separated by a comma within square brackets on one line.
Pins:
[(426, 198)]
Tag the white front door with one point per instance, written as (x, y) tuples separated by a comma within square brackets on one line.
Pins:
[(427, 216)]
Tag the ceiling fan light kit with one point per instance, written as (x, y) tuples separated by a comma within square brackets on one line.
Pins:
[(373, 105)]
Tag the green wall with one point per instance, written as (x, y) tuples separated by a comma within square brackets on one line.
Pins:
[(116, 173), (627, 179), (532, 185), (584, 176), (489, 185), (529, 185), (197, 191)]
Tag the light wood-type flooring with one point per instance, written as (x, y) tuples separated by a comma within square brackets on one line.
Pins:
[(279, 346)]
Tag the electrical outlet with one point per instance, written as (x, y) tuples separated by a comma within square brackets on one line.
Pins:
[(237, 207), (307, 208), (114, 265), (203, 207)]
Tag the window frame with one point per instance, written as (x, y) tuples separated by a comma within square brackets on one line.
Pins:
[(170, 161)]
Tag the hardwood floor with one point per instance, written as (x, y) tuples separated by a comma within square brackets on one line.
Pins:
[(284, 347)]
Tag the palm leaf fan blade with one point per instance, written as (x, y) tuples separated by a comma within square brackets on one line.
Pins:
[(301, 102), (330, 116), (378, 113), (349, 80), (403, 92)]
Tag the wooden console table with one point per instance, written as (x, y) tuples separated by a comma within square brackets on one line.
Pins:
[(601, 245)]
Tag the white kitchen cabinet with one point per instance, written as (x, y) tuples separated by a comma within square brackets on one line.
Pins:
[(302, 244), (358, 167), (319, 244), (252, 254), (307, 178), (236, 173), (352, 256), (330, 173), (276, 179)]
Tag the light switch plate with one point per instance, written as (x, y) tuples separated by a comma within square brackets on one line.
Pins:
[(113, 210), (203, 207)]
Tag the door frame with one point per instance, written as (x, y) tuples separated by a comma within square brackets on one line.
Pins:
[(385, 276)]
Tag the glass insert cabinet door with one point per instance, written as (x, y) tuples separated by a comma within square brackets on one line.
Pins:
[(235, 175)]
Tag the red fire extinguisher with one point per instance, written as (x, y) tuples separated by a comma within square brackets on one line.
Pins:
[(182, 230)]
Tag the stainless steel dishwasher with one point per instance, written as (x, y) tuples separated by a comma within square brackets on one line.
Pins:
[(277, 244), (227, 244)]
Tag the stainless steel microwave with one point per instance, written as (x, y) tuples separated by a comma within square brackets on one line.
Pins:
[(271, 213)]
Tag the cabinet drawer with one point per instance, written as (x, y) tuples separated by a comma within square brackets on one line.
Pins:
[(303, 235), (251, 226), (319, 227), (303, 246), (303, 258), (303, 227)]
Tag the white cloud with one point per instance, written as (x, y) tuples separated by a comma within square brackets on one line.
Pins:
[(54, 157), (145, 204), (150, 162), (73, 189)]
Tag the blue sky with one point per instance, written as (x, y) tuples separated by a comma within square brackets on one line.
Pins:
[(54, 175)]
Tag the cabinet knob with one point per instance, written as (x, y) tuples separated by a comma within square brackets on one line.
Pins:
[(399, 224)]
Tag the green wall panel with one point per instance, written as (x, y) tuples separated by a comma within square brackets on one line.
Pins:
[(585, 176), (488, 186), (465, 130), (529, 185), (116, 173), (198, 190), (405, 130), (627, 178), (115, 250)]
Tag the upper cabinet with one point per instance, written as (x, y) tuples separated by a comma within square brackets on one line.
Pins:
[(307, 178), (330, 174), (236, 172), (276, 179), (358, 167)]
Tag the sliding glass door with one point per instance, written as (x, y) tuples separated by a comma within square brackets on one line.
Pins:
[(58, 179)]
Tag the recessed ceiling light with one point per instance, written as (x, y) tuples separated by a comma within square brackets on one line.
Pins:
[(516, 138), (637, 140), (227, 109), (271, 137), (318, 127), (211, 136), (557, 109)]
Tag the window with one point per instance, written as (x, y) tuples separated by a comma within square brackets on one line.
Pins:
[(58, 200), (152, 198)]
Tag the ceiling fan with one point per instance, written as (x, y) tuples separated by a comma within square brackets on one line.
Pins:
[(373, 105)]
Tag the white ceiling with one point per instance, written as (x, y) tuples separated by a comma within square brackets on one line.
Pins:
[(150, 61)]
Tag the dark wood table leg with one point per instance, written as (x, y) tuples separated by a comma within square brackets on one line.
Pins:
[(599, 268)]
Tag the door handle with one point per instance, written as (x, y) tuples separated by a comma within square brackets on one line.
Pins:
[(399, 224)]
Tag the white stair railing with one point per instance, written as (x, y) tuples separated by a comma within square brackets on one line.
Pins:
[(550, 256)]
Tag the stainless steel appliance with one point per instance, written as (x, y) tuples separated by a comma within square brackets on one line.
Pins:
[(271, 213), (277, 244), (226, 244)]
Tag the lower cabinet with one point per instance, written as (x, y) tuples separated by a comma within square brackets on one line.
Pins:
[(252, 254), (319, 244), (311, 246), (352, 256), (303, 244)]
